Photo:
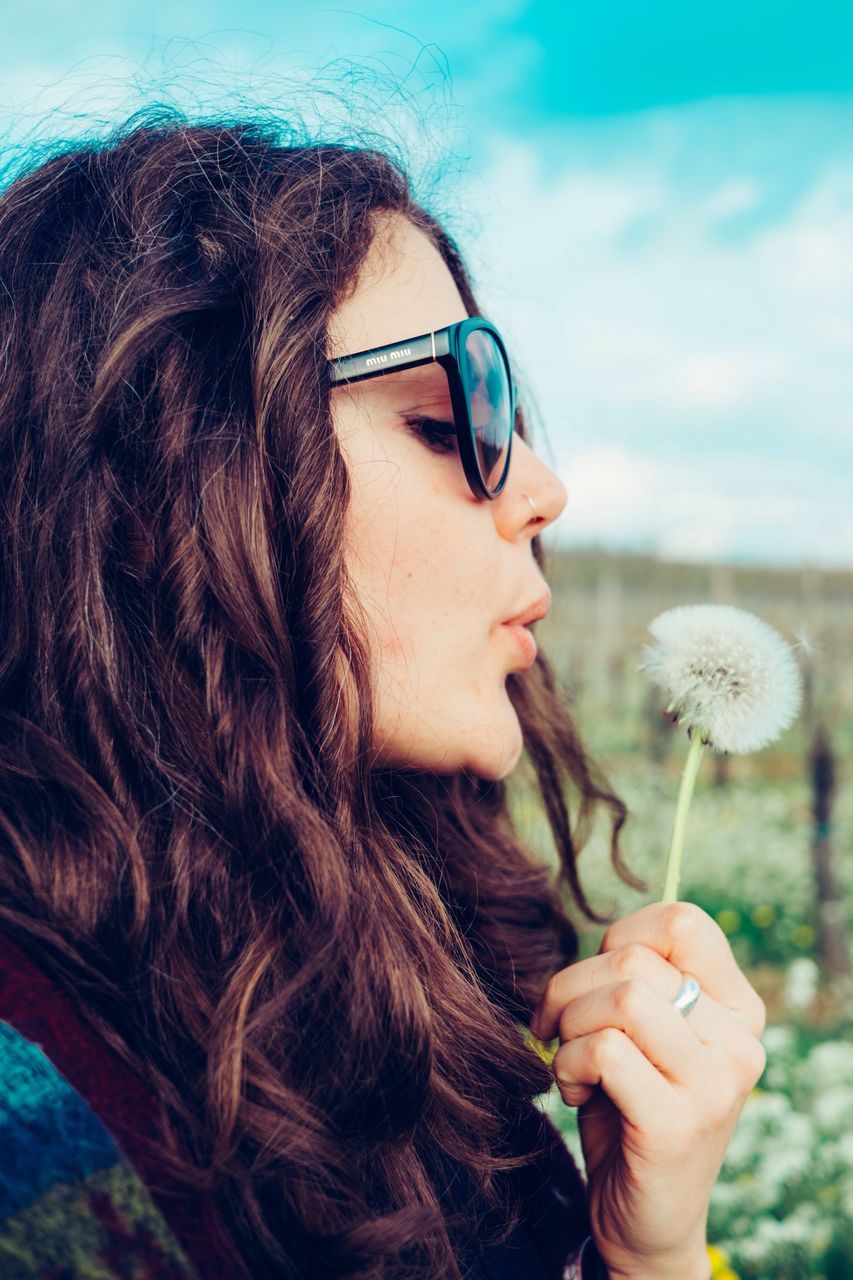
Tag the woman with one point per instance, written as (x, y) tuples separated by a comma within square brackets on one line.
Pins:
[(270, 938)]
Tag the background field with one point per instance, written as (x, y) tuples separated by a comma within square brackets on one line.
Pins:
[(783, 1206)]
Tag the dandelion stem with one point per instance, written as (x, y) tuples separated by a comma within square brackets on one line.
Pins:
[(685, 795)]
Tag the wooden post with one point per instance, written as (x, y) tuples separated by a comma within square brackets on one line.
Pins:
[(658, 725), (720, 776), (831, 940)]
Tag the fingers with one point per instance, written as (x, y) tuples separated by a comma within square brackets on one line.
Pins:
[(653, 1024), (708, 1023), (724, 1066), (686, 935), (579, 985), (610, 1059), (586, 976), (658, 944)]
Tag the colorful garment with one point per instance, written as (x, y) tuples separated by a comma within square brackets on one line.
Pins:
[(71, 1204), (83, 1195)]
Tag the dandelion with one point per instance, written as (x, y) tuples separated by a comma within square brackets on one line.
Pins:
[(731, 679)]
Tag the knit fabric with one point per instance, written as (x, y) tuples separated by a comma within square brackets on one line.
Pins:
[(80, 1157), (70, 1203), (83, 1195)]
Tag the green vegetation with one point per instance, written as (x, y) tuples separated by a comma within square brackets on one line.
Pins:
[(783, 1206)]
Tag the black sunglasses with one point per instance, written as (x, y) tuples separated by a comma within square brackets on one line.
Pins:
[(483, 392)]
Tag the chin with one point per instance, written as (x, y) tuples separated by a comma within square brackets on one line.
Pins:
[(499, 763), (501, 771), (482, 741)]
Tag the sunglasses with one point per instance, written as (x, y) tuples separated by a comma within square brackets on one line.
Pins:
[(483, 392)]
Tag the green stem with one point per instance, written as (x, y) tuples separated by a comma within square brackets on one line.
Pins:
[(685, 795)]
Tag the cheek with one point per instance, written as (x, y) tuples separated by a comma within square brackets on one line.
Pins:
[(411, 626), (437, 634), (398, 643), (405, 526), (390, 580)]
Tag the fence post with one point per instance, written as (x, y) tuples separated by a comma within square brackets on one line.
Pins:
[(831, 940)]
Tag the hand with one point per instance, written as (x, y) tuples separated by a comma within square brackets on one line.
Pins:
[(659, 1093)]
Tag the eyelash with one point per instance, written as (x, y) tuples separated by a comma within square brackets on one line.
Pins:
[(439, 436)]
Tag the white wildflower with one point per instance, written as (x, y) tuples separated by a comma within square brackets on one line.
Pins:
[(829, 1064), (734, 682), (729, 675), (845, 1151), (779, 1040), (802, 979), (832, 1110)]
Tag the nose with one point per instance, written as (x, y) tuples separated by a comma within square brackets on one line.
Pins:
[(533, 497)]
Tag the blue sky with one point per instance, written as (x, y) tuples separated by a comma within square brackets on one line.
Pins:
[(656, 201)]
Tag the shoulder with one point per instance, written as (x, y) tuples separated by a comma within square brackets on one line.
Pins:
[(69, 1200)]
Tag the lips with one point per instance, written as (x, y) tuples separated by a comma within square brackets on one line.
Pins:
[(532, 612), (526, 642)]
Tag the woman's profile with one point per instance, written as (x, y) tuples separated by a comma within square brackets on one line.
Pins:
[(268, 937)]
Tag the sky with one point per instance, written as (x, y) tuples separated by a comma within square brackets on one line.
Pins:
[(656, 202)]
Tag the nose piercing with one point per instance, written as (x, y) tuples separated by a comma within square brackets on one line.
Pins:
[(535, 513)]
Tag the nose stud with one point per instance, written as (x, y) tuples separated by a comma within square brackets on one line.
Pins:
[(535, 513)]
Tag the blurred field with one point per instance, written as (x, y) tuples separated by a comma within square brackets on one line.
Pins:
[(750, 827), (748, 861)]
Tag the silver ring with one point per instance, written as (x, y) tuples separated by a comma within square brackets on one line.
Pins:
[(688, 995), (535, 513)]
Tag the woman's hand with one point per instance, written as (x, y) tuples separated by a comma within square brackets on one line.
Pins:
[(659, 1093)]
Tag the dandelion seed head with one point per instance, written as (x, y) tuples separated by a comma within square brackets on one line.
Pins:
[(728, 674)]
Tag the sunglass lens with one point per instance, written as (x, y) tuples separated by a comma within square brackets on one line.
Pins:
[(491, 404)]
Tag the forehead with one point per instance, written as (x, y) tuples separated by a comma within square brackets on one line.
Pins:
[(403, 289)]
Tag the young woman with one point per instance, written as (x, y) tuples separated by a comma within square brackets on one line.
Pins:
[(269, 939)]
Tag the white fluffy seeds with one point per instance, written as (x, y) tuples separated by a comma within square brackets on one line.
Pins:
[(729, 675)]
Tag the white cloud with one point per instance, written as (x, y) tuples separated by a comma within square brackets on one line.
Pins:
[(651, 336), (619, 498), (812, 251), (740, 195)]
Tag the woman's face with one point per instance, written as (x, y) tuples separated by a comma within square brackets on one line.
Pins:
[(436, 570)]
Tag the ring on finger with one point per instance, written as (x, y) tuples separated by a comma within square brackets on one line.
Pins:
[(689, 992)]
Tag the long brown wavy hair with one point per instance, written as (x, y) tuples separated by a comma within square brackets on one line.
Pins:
[(320, 967)]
